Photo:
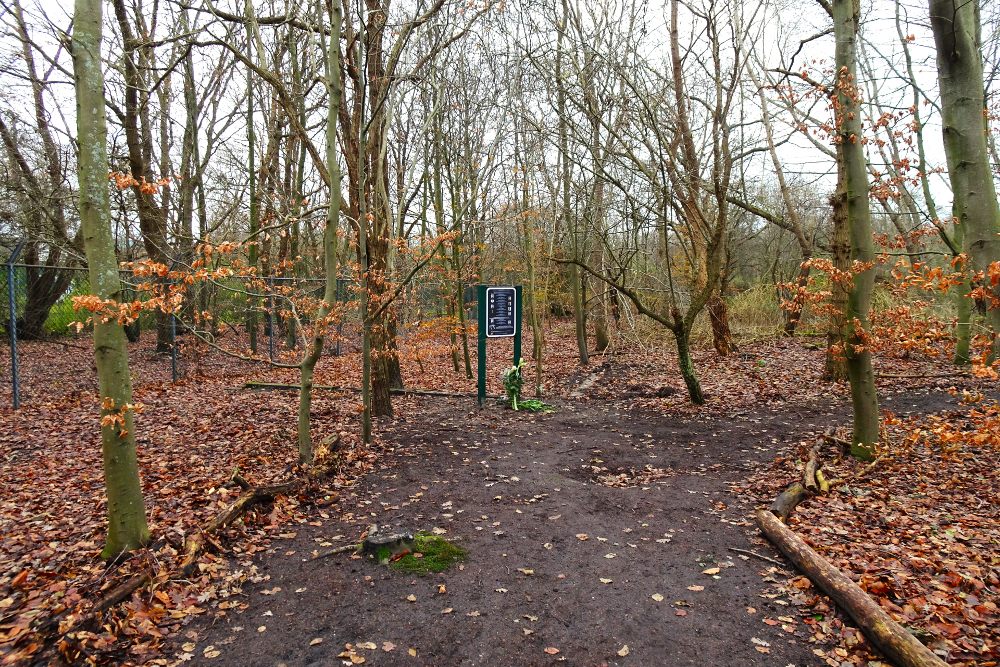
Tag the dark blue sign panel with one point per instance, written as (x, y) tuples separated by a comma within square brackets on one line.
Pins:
[(501, 314)]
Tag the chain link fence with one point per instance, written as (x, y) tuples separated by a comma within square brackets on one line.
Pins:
[(36, 303)]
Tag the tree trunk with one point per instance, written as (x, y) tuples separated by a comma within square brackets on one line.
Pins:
[(964, 306), (528, 240), (127, 527), (846, 15), (335, 91), (956, 28), (718, 315), (840, 246), (45, 286), (682, 336), (253, 251), (575, 278), (139, 141), (456, 267), (794, 316)]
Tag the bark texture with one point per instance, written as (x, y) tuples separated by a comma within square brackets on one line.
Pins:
[(956, 28), (864, 399), (127, 527)]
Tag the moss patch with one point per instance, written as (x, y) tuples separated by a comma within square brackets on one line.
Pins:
[(436, 555)]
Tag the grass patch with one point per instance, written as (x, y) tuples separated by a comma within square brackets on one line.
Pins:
[(436, 555)]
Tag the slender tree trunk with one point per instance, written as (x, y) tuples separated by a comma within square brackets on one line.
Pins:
[(456, 267), (528, 238), (794, 222), (576, 279), (127, 527), (253, 253), (334, 87), (602, 339), (846, 15), (840, 246), (956, 28), (964, 307), (793, 317), (138, 139)]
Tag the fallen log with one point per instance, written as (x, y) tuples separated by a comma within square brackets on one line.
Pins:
[(195, 544), (919, 376), (813, 482), (789, 499), (898, 645), (277, 386)]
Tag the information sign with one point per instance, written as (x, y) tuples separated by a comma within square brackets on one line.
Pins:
[(501, 313)]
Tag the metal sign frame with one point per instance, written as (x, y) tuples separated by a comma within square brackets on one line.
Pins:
[(482, 307)]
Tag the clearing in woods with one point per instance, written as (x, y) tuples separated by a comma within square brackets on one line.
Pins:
[(600, 534)]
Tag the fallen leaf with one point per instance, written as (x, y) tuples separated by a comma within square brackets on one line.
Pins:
[(623, 651), (552, 650), (317, 640), (657, 597), (711, 570), (388, 646), (696, 588)]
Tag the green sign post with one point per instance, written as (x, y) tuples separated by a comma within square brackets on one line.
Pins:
[(499, 310)]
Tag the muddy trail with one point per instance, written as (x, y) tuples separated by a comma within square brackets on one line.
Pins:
[(589, 533)]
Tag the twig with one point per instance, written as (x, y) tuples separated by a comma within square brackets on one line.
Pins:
[(273, 386), (338, 550), (757, 555), (917, 376)]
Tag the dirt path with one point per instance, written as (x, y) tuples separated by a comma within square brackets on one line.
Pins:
[(650, 496)]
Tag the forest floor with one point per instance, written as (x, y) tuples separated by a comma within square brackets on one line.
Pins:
[(593, 533)]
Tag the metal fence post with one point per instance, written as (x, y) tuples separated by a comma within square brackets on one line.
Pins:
[(270, 318), (340, 297), (12, 324), (173, 348), (174, 371), (481, 309)]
